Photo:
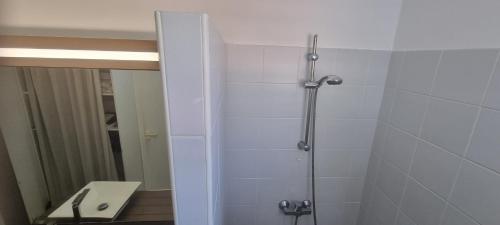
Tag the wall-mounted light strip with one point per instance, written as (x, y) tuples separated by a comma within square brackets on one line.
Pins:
[(78, 54)]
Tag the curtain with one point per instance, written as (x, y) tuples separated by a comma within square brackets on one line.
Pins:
[(69, 119)]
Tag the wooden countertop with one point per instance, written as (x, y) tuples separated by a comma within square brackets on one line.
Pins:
[(145, 208), (148, 206)]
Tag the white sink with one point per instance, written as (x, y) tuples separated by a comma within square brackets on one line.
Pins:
[(115, 193)]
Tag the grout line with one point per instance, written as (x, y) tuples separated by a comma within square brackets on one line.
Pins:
[(439, 98), (429, 97), (451, 205), (374, 188), (444, 149), (405, 187), (490, 78), (491, 108), (420, 129), (471, 135), (436, 71), (428, 103), (393, 101)]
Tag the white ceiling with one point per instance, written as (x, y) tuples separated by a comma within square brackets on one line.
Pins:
[(365, 24)]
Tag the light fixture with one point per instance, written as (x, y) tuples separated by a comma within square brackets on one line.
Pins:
[(78, 54)]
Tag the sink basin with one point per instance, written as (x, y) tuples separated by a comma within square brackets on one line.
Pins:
[(113, 193)]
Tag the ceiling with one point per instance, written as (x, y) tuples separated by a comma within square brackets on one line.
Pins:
[(364, 24)]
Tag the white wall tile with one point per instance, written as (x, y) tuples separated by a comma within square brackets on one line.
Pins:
[(303, 64), (270, 214), (379, 65), (449, 124), (359, 163), (391, 181), (281, 64), (476, 193), (297, 189), (435, 168), (447, 121), (387, 104), (379, 140), (271, 191), (493, 95), (269, 100), (399, 149), (244, 99), (383, 209), (408, 111), (241, 191), (485, 144), (190, 179), (242, 132), (245, 63), (281, 163), (463, 74), (395, 66), (345, 133), (352, 66), (340, 101), (333, 163), (326, 62), (418, 71), (350, 214), (280, 100), (404, 220), (421, 205), (289, 130), (453, 217), (240, 164), (330, 214), (184, 69), (371, 102), (371, 173), (354, 190), (332, 190), (240, 215)]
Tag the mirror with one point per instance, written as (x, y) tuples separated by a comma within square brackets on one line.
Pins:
[(66, 127)]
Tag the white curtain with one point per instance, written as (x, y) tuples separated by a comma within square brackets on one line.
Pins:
[(71, 129)]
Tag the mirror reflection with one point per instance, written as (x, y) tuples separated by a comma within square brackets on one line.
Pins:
[(66, 127)]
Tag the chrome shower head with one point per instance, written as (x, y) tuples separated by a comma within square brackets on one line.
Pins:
[(331, 80)]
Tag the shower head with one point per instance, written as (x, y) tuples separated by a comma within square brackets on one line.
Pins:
[(331, 80)]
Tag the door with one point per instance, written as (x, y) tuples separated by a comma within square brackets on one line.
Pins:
[(141, 124)]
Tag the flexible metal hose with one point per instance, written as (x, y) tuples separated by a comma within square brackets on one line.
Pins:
[(313, 131)]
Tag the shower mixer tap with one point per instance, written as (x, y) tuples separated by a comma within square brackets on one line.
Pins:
[(295, 208)]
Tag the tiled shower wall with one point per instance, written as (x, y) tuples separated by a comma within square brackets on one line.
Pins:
[(436, 154), (264, 122)]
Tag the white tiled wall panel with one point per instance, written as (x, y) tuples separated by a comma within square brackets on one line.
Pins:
[(264, 122), (193, 69), (440, 134)]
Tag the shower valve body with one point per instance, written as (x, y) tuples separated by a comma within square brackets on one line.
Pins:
[(295, 208)]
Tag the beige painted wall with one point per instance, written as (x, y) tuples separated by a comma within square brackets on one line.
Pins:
[(11, 205), (340, 23)]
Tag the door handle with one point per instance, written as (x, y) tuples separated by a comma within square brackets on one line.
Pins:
[(150, 134)]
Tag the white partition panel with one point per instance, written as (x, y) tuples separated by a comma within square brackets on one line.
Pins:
[(192, 67)]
